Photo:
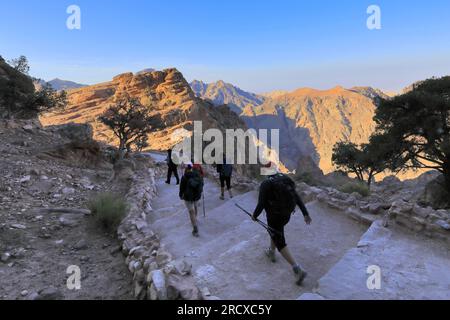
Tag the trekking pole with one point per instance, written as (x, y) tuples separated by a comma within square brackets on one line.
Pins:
[(204, 210), (265, 226)]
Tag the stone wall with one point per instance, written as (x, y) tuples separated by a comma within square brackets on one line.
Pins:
[(156, 275), (408, 215)]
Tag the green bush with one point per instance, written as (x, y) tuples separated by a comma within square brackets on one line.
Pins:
[(356, 186), (108, 210)]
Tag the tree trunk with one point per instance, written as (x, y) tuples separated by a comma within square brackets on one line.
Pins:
[(121, 150), (369, 180), (446, 173)]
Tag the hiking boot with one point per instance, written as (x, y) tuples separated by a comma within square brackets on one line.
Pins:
[(231, 194), (271, 255), (222, 197), (300, 275), (167, 182), (195, 232)]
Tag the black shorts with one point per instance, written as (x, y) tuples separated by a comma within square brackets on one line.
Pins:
[(225, 180), (278, 222)]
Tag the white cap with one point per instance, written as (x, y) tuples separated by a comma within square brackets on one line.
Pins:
[(270, 169)]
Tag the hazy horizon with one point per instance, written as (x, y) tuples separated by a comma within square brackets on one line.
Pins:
[(257, 46)]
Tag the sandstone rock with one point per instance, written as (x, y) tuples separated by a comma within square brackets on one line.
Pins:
[(183, 267), (443, 224), (50, 293), (159, 283), (68, 220), (151, 293), (75, 132), (67, 191), (139, 291), (5, 257), (81, 245), (18, 226), (33, 296), (182, 287), (163, 257), (25, 179), (422, 212), (139, 276), (28, 128), (376, 208)]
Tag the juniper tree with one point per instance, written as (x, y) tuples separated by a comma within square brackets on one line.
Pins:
[(130, 121)]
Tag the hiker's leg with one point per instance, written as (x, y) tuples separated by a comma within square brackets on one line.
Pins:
[(175, 171), (196, 209), (192, 216), (278, 239), (169, 174), (286, 254), (272, 245), (228, 181), (222, 187)]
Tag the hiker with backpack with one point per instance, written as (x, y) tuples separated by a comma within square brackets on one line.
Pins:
[(278, 197), (191, 189), (172, 168), (225, 171)]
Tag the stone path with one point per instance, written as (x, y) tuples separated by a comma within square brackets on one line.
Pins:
[(228, 257), (336, 251)]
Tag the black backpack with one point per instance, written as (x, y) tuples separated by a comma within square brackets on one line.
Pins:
[(194, 187), (283, 194)]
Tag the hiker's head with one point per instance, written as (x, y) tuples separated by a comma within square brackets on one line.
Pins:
[(270, 169), (189, 166)]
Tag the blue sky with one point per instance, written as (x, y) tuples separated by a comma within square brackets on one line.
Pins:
[(259, 45)]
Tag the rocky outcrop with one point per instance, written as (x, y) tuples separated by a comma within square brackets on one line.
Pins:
[(405, 214), (172, 103)]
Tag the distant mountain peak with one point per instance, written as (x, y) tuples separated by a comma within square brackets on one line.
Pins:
[(221, 92), (59, 84)]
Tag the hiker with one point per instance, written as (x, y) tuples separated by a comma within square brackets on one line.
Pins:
[(278, 197), (225, 172), (172, 168), (198, 167), (191, 189)]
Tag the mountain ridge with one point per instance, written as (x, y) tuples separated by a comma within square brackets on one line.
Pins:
[(220, 93)]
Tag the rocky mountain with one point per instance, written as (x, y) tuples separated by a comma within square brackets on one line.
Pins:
[(275, 94), (59, 84), (221, 93), (312, 121), (370, 92), (172, 102)]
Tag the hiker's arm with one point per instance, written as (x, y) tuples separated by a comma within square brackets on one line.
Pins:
[(301, 205), (182, 185), (261, 201)]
